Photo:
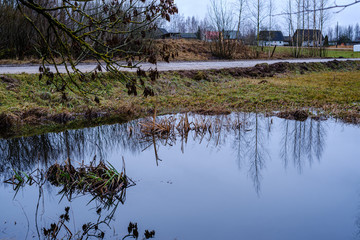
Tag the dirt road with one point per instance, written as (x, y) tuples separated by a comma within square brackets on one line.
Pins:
[(162, 66)]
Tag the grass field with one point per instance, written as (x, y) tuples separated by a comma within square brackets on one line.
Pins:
[(287, 52), (333, 93), (334, 53)]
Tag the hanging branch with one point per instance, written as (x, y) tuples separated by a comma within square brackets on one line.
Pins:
[(117, 34)]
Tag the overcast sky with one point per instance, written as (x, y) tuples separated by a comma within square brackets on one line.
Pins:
[(350, 15)]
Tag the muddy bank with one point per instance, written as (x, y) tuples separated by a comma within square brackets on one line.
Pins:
[(270, 70), (263, 88), (12, 125)]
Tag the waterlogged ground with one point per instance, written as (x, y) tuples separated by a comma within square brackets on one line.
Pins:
[(249, 177)]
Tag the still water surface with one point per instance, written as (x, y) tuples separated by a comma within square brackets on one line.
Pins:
[(269, 179)]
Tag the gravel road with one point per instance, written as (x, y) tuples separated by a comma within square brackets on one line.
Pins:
[(162, 66)]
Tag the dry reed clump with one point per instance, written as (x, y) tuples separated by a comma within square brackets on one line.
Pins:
[(99, 180), (161, 127), (347, 115), (102, 181), (172, 126), (165, 126), (298, 115)]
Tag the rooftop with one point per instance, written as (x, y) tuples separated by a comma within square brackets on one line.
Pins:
[(271, 35)]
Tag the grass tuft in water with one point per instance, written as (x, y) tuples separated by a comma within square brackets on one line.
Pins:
[(101, 180)]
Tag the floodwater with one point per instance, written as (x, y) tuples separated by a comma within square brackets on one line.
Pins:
[(266, 178)]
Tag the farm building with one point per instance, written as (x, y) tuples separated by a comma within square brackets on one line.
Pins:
[(159, 33), (211, 35), (308, 38), (162, 33), (214, 35), (271, 38), (188, 36), (230, 35), (287, 40)]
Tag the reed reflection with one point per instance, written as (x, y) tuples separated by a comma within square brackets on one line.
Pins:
[(248, 134), (104, 185)]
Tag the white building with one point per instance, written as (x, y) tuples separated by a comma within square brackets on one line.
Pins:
[(271, 38), (356, 48)]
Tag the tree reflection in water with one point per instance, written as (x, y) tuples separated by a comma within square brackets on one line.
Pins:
[(249, 144), (257, 153), (246, 132), (27, 152), (302, 141)]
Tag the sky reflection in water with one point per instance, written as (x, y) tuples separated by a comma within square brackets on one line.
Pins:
[(269, 179)]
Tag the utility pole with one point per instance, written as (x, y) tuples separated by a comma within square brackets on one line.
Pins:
[(337, 33)]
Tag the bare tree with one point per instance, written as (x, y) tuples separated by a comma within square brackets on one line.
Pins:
[(329, 33), (240, 6), (311, 35), (220, 15), (221, 18), (289, 19), (350, 32), (337, 32), (178, 23), (258, 12), (271, 9), (357, 32), (194, 25), (323, 19)]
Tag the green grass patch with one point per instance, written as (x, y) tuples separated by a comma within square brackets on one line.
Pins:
[(33, 103), (287, 52), (333, 53)]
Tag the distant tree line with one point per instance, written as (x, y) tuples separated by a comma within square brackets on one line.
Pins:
[(32, 27), (344, 34), (17, 36), (247, 18), (222, 16)]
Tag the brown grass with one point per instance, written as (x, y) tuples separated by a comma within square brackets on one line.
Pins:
[(189, 50), (332, 88)]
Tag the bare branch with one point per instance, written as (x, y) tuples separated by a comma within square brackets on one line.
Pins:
[(335, 6)]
